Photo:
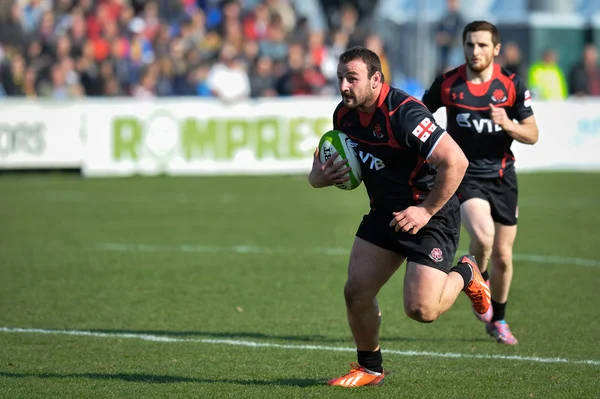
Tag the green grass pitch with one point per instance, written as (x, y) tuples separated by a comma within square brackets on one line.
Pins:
[(231, 287)]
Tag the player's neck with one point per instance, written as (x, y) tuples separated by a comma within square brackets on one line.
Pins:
[(370, 106), (480, 77)]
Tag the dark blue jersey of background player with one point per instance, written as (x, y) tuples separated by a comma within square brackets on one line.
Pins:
[(393, 143), (469, 122)]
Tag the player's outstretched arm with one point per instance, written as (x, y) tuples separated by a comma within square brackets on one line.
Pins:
[(451, 165), (327, 174)]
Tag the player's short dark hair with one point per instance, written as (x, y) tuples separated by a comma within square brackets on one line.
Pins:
[(370, 58), (477, 26)]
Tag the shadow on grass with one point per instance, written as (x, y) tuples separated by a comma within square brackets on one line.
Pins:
[(166, 379), (315, 339)]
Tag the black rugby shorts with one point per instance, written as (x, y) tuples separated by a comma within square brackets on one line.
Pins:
[(501, 193), (434, 245)]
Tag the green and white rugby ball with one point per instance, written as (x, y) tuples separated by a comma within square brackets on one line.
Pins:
[(337, 141)]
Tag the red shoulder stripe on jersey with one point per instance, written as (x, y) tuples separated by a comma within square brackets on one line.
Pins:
[(447, 85), (404, 102), (385, 89), (392, 142), (398, 107), (509, 83), (418, 101)]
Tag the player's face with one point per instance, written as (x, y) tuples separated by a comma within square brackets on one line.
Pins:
[(355, 86), (480, 50)]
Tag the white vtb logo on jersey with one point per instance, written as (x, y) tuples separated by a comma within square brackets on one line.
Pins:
[(480, 125), (370, 161)]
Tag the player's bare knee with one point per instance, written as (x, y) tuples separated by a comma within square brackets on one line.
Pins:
[(502, 260), (483, 242), (355, 296), (421, 313)]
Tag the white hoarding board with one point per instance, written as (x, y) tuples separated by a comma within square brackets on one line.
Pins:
[(40, 135), (198, 137), (190, 136)]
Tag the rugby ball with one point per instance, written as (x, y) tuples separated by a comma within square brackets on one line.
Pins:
[(337, 141)]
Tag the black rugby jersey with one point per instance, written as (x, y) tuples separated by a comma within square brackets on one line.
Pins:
[(486, 145), (393, 144)]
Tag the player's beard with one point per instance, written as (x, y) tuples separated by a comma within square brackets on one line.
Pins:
[(480, 66), (359, 99)]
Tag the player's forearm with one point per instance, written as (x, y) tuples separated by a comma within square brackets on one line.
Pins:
[(449, 176), (523, 133)]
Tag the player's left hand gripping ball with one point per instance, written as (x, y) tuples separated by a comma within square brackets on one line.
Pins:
[(337, 141)]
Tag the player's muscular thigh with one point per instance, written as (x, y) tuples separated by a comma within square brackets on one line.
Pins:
[(423, 288), (477, 218), (369, 269)]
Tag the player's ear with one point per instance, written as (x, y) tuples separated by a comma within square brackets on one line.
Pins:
[(497, 49), (376, 80)]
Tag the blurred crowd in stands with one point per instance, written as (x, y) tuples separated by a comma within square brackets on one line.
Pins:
[(230, 49)]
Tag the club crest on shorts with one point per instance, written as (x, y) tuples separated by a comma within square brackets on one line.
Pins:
[(436, 255)]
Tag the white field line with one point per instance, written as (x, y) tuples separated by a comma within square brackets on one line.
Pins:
[(253, 249), (252, 344), (232, 197)]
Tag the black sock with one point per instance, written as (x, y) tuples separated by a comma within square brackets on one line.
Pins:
[(465, 271), (485, 275), (371, 360), (499, 309)]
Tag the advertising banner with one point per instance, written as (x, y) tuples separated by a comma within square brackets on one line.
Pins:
[(198, 137), (40, 135), (124, 137)]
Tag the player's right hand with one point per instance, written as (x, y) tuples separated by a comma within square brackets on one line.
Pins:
[(328, 174), (410, 220)]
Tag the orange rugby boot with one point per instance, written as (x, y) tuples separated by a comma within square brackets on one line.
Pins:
[(487, 316), (477, 290), (358, 377)]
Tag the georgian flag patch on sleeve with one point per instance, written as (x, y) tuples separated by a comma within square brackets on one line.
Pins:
[(527, 98), (424, 129)]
